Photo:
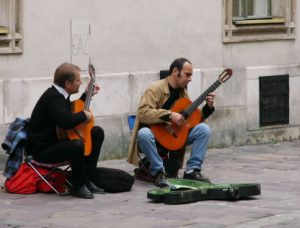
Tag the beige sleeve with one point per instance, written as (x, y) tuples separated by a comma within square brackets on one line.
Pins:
[(148, 111)]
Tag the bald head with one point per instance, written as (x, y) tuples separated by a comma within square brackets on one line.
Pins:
[(65, 72)]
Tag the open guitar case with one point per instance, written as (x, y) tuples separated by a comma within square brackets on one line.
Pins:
[(182, 191)]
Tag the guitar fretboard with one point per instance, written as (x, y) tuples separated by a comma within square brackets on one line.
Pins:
[(89, 94), (192, 107)]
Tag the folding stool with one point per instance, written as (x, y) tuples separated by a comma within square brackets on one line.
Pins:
[(51, 167)]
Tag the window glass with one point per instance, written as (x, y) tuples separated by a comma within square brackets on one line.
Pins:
[(3, 13), (251, 9)]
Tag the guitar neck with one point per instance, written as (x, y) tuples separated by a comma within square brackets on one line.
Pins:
[(192, 107), (89, 94)]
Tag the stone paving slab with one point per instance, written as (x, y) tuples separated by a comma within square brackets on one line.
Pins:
[(276, 167)]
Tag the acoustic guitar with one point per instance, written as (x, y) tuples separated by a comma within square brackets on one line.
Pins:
[(83, 130), (173, 137)]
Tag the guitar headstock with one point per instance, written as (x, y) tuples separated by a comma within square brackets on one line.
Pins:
[(225, 75), (91, 70)]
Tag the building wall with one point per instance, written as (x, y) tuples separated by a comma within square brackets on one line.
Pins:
[(128, 42)]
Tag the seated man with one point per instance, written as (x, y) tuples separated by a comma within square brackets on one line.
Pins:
[(154, 108), (52, 111)]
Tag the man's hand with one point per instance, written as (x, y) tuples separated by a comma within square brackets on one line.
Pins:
[(177, 118), (88, 115), (210, 99), (95, 89)]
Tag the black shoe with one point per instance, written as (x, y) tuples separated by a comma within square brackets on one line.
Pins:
[(196, 175), (93, 188), (160, 179), (82, 192)]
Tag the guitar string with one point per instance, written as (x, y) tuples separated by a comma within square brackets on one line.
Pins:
[(89, 94), (192, 107), (198, 101)]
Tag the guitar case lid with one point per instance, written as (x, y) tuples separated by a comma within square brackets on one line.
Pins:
[(188, 191)]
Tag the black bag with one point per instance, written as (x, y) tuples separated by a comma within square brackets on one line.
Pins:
[(112, 180)]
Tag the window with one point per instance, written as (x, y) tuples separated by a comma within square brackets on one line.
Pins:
[(10, 26), (251, 9), (254, 20)]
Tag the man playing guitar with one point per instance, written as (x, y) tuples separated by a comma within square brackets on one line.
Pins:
[(154, 108), (54, 110)]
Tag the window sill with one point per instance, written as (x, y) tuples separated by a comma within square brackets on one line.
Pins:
[(3, 30), (16, 50), (259, 37), (274, 20), (16, 36)]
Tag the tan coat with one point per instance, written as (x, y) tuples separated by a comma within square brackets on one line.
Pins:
[(149, 112)]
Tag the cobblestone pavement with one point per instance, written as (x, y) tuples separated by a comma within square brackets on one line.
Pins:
[(276, 167)]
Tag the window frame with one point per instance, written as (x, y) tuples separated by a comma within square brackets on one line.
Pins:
[(14, 35), (259, 30)]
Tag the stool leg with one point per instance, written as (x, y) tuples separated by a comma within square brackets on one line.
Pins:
[(43, 178), (145, 168)]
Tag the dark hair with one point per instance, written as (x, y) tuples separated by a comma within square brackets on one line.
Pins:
[(178, 63), (65, 72)]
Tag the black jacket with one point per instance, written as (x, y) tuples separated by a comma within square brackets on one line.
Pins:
[(51, 110)]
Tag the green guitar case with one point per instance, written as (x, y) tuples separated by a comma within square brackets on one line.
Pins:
[(187, 191)]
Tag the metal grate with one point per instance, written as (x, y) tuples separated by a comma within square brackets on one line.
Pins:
[(274, 100)]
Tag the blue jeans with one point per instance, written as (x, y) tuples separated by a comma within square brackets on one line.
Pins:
[(198, 137)]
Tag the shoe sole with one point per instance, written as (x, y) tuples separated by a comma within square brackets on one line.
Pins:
[(83, 197)]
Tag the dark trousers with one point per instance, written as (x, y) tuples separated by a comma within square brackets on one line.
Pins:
[(73, 151)]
